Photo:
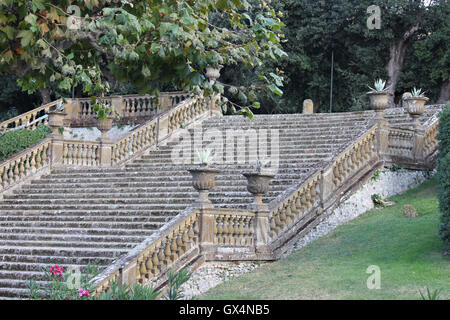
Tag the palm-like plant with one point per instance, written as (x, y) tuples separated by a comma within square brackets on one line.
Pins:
[(417, 92), (205, 157), (379, 86)]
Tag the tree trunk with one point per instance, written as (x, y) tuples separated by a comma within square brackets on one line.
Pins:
[(397, 52), (46, 95), (444, 96)]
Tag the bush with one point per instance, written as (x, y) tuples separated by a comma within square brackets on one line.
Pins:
[(444, 177), (12, 142)]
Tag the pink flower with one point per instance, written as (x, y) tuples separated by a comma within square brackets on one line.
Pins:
[(57, 270), (82, 292)]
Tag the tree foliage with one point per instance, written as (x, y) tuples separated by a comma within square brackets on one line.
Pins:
[(151, 44), (316, 28)]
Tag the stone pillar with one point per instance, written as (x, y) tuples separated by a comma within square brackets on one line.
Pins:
[(69, 108), (57, 150), (262, 230), (128, 273), (105, 154), (206, 230), (118, 105), (419, 137), (308, 106)]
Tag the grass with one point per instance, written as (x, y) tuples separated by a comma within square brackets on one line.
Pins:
[(407, 251)]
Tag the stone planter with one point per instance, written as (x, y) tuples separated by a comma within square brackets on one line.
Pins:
[(416, 105), (56, 120), (258, 185), (104, 126), (213, 73), (379, 101), (203, 181)]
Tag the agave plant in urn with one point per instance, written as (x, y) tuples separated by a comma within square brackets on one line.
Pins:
[(415, 105), (379, 97), (203, 178), (258, 184)]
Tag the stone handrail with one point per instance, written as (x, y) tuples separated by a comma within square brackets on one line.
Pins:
[(173, 246), (81, 153), (131, 108), (430, 143), (29, 119), (25, 163), (401, 142), (315, 192), (158, 129), (233, 227)]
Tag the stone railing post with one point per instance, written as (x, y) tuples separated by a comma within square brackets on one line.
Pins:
[(308, 106), (418, 148), (117, 103), (105, 153), (203, 181), (258, 185)]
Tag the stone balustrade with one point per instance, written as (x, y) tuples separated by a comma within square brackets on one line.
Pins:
[(294, 206), (430, 139), (234, 228), (30, 119), (80, 113), (173, 247), (81, 153), (401, 143), (24, 164)]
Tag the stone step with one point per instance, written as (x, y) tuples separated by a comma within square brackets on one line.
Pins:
[(137, 196), (77, 231), (71, 244), (155, 187), (101, 213), (83, 225), (12, 293), (59, 252), (90, 218), (169, 181), (35, 263), (105, 238)]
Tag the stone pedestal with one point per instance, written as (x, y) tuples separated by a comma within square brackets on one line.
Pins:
[(308, 106)]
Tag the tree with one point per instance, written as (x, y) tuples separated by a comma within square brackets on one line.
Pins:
[(410, 49), (151, 44)]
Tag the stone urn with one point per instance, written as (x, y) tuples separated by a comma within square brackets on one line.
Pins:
[(379, 101), (203, 180), (258, 185), (104, 126), (213, 73), (56, 120), (415, 107)]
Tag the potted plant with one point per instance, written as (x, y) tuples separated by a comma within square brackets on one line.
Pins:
[(379, 96), (258, 184), (416, 103), (203, 177)]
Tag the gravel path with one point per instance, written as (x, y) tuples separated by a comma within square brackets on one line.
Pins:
[(387, 184), (93, 134)]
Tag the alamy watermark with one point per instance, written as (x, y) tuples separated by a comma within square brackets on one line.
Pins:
[(374, 20), (374, 280), (230, 146)]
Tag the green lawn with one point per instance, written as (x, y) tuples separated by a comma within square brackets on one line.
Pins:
[(407, 251)]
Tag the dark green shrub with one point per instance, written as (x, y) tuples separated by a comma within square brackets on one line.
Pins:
[(12, 142), (444, 177)]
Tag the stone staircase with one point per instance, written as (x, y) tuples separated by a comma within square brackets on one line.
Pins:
[(73, 217)]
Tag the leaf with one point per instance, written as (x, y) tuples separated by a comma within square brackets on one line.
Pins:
[(26, 36), (256, 105), (275, 89), (9, 32)]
